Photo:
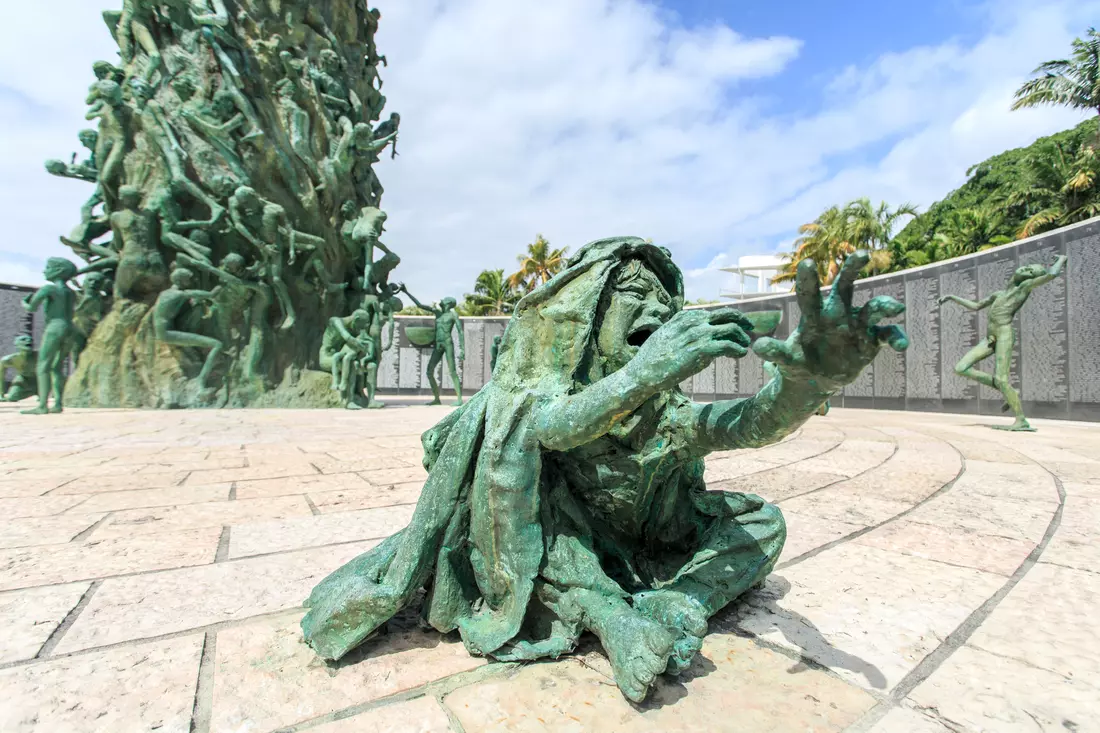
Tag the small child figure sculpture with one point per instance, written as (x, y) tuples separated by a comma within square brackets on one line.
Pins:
[(57, 339)]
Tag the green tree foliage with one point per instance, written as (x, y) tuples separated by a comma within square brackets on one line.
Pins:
[(492, 296), (537, 265), (839, 231), (1018, 193)]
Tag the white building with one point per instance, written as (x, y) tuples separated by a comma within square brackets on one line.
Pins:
[(754, 274)]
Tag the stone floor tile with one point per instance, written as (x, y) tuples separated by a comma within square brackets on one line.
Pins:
[(960, 510), (285, 468), (49, 564), (410, 440), (266, 677), (195, 464), (857, 429), (839, 504), (779, 483), (724, 469), (981, 692), (983, 450), (124, 482), (258, 538), (38, 506), (1049, 621), (191, 516), (391, 476), (867, 614), (903, 720), (153, 604), (299, 485), (144, 498), (422, 715), (733, 685), (806, 532), (359, 461), (345, 500), (1075, 543), (793, 451), (1052, 451), (32, 531), (28, 617), (991, 553), (851, 457), (1083, 491), (1081, 473), (150, 687), (1027, 482), (16, 488)]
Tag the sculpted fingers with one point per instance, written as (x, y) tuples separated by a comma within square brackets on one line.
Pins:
[(893, 335), (845, 285), (808, 290), (774, 350), (731, 332), (878, 308), (729, 315)]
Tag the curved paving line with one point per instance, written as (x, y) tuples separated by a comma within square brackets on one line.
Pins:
[(785, 465), (881, 463), (900, 515), (966, 629)]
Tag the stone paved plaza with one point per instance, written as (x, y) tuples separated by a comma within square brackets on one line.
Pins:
[(938, 576)]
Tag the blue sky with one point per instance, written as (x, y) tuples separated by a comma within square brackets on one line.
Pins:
[(715, 128), (836, 34)]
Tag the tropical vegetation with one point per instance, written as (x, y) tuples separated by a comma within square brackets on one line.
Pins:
[(537, 265), (493, 295), (839, 231)]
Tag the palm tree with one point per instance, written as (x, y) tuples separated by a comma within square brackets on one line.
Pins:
[(971, 230), (873, 229), (826, 240), (1059, 188), (1072, 82), (537, 265), (492, 295)]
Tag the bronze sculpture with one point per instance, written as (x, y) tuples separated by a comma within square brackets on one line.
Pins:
[(1003, 306)]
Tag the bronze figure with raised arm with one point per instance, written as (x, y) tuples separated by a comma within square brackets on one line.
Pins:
[(1003, 306)]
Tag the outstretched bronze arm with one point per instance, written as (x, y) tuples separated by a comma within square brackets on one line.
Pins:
[(969, 304), (832, 344), (1054, 271), (683, 346), (416, 302)]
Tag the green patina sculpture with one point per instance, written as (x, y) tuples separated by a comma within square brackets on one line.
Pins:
[(345, 347), (1000, 339), (167, 310), (59, 336), (446, 321), (568, 495), (382, 307), (24, 362), (230, 140), (493, 351), (91, 306)]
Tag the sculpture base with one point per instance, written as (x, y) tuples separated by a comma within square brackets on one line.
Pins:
[(1013, 428), (125, 366)]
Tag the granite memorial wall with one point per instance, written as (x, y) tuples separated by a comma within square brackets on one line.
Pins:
[(1057, 363)]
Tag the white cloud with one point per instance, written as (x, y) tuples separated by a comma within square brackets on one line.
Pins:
[(585, 118)]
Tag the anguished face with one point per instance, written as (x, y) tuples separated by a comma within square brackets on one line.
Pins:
[(637, 305)]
